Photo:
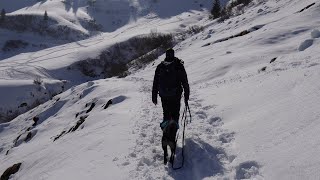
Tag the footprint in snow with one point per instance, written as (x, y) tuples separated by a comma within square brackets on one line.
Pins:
[(201, 114), (144, 161), (226, 137), (125, 163), (313, 64), (208, 107), (133, 155), (247, 170), (143, 135), (215, 121)]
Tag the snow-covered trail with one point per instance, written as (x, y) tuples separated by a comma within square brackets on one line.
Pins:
[(208, 146)]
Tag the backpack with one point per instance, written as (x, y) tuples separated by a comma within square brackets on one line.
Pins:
[(169, 83)]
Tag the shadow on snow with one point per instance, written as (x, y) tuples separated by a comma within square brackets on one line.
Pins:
[(201, 161)]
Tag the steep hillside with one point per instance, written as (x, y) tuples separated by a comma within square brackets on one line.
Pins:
[(56, 65), (72, 20), (254, 103)]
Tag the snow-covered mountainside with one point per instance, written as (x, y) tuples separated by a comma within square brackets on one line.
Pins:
[(254, 100), (73, 20), (54, 65)]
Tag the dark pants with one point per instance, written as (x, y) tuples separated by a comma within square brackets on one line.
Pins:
[(171, 107)]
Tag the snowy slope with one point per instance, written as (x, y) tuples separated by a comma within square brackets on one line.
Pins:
[(73, 20), (52, 65), (252, 118)]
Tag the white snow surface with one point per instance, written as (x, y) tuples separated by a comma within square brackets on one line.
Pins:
[(252, 118)]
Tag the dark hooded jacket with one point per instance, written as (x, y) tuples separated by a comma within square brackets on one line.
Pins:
[(181, 79)]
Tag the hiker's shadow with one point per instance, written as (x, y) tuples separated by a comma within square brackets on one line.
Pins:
[(200, 161)]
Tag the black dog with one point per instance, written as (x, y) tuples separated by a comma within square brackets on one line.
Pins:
[(169, 139)]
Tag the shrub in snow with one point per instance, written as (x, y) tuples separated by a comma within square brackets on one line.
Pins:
[(91, 2), (45, 16), (36, 24), (195, 29), (9, 115), (118, 69), (14, 44), (216, 9), (23, 105), (315, 33), (236, 7), (136, 52), (85, 67), (3, 15), (37, 81), (92, 25), (235, 3), (225, 14)]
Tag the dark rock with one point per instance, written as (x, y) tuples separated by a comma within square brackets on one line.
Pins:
[(16, 140), (11, 170), (306, 8), (273, 60), (23, 105), (29, 136), (108, 104), (245, 32), (82, 119), (264, 68), (79, 122), (206, 45), (35, 120), (57, 137), (91, 107)]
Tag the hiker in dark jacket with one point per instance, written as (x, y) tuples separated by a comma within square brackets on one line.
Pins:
[(170, 80)]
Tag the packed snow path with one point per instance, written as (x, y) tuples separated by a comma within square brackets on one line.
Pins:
[(207, 145)]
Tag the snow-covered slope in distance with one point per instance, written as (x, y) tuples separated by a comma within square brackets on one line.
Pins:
[(72, 20), (109, 13), (252, 118), (52, 65)]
